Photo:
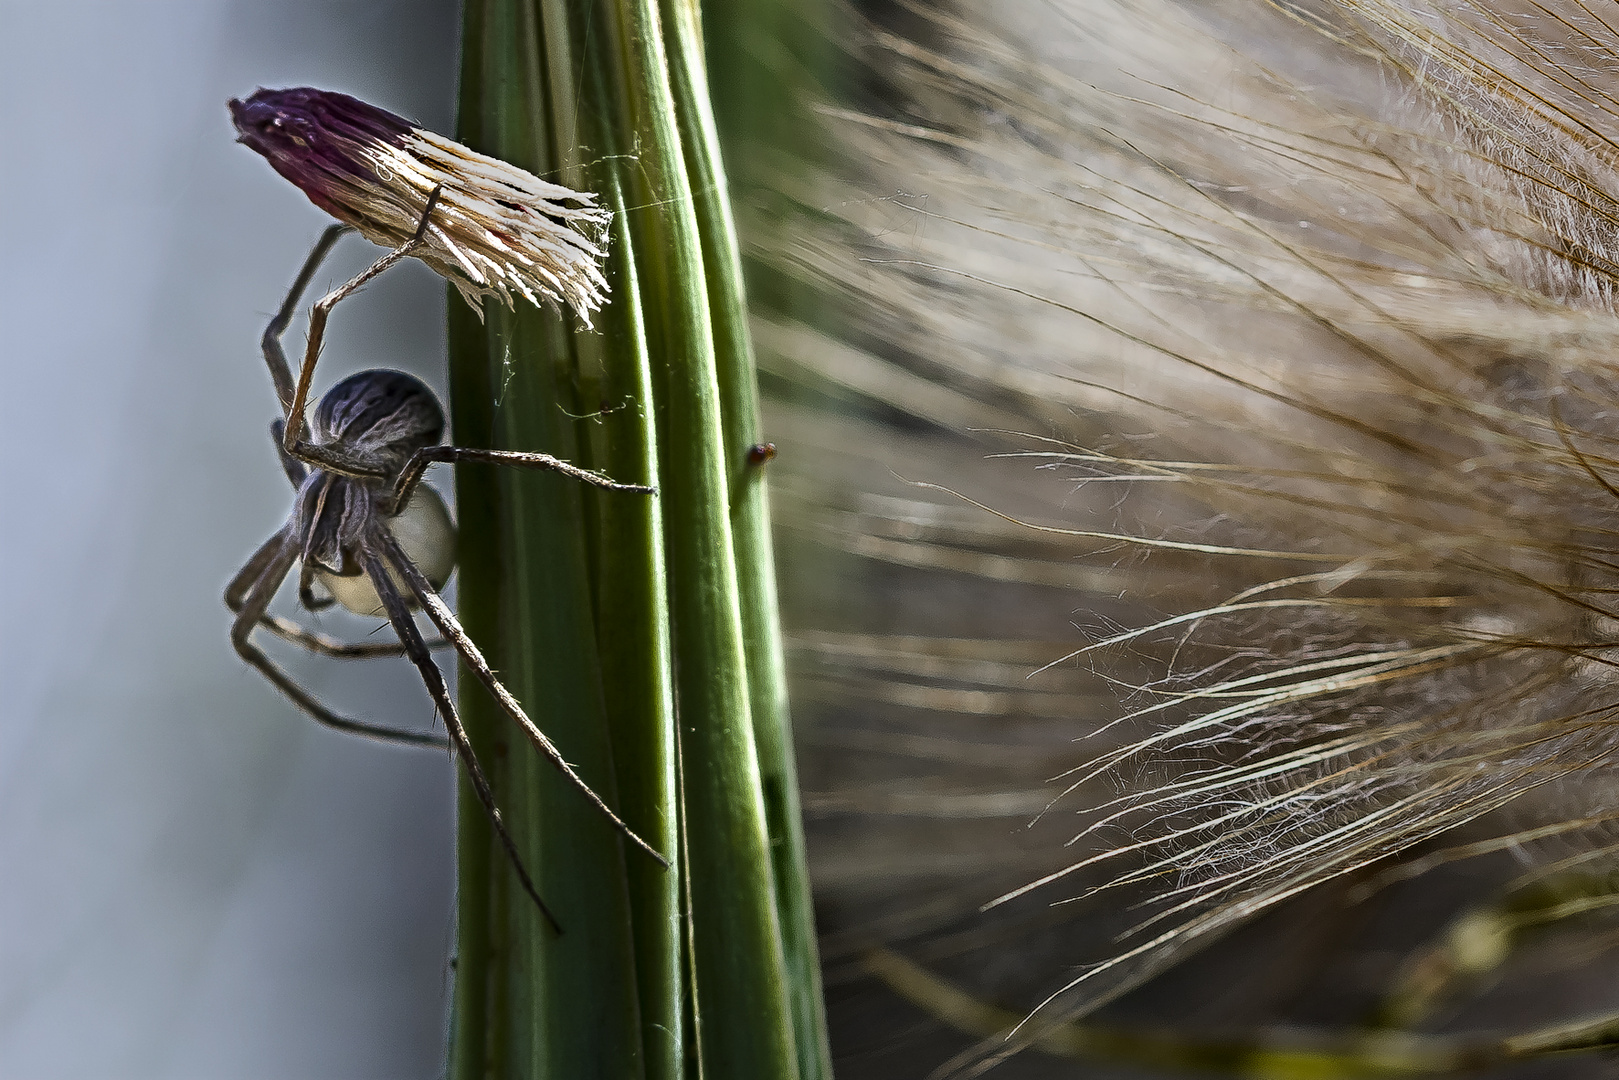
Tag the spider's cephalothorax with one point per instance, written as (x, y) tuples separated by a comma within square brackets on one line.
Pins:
[(379, 541), (383, 418)]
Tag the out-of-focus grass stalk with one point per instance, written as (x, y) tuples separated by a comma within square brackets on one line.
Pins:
[(609, 617), (1290, 1054)]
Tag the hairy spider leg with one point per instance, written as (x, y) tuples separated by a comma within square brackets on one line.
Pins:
[(296, 473), (248, 596), (270, 343), (416, 649), (306, 590), (430, 455), (293, 439), (313, 640), (326, 645), (450, 627)]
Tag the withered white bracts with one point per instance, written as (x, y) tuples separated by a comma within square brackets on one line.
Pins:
[(497, 230)]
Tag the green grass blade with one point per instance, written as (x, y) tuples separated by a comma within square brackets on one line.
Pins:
[(750, 525), (745, 1027), (609, 615), (564, 1005)]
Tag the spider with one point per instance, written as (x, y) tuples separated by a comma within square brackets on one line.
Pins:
[(376, 539)]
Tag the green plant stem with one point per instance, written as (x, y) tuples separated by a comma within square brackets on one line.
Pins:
[(750, 525), (609, 615), (745, 1027), (554, 1005), (636, 649)]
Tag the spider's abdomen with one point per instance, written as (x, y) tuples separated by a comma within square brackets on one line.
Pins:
[(388, 414), (423, 528)]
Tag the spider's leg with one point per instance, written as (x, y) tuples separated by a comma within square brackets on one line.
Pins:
[(446, 621), (416, 649), (280, 372), (306, 590), (290, 465), (254, 569), (326, 645), (293, 440), (287, 630), (428, 455), (249, 595)]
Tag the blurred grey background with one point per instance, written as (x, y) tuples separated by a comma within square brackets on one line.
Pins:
[(195, 880)]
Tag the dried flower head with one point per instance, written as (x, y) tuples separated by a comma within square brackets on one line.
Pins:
[(496, 230)]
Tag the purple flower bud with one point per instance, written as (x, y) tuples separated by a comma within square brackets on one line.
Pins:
[(496, 229)]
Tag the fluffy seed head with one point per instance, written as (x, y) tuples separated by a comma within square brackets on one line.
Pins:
[(497, 229), (1310, 310)]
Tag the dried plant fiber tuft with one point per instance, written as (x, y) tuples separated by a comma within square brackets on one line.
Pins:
[(497, 229), (1258, 365)]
